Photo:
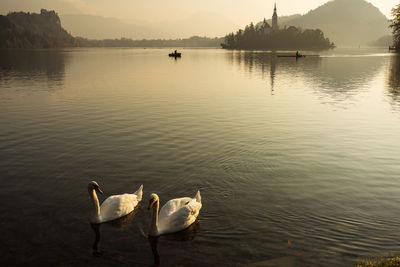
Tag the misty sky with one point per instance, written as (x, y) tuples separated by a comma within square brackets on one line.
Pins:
[(238, 11)]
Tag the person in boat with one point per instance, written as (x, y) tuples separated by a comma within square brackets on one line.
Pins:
[(297, 54), (175, 52)]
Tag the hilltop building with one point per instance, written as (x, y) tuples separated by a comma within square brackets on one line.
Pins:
[(264, 27), (275, 19)]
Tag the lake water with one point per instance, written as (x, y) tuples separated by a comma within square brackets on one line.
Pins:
[(297, 160)]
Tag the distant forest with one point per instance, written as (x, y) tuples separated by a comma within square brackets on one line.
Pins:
[(194, 41), (263, 37), (44, 30)]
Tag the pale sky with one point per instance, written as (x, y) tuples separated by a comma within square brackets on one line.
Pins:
[(240, 12)]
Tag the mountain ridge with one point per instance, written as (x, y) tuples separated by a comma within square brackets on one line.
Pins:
[(346, 22), (97, 27)]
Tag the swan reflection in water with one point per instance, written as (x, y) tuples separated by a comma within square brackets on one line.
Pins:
[(185, 235), (118, 223)]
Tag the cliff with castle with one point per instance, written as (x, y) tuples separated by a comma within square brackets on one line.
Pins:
[(31, 30)]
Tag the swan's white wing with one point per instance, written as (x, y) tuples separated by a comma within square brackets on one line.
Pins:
[(173, 205), (182, 213), (117, 206), (139, 193)]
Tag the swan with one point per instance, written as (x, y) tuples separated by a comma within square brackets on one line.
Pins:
[(113, 207), (176, 215)]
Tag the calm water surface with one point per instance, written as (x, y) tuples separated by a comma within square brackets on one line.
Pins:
[(297, 161)]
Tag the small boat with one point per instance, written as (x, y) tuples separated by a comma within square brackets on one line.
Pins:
[(297, 56), (292, 56), (175, 54), (392, 48)]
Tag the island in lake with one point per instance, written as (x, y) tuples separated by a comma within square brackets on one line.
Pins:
[(270, 37)]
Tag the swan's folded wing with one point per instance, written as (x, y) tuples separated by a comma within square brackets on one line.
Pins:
[(193, 208), (117, 206), (139, 193), (181, 218), (173, 205)]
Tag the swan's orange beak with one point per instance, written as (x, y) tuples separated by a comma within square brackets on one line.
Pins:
[(151, 202)]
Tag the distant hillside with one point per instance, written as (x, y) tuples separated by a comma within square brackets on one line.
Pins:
[(30, 30), (200, 23), (384, 41), (97, 27), (284, 19), (345, 22)]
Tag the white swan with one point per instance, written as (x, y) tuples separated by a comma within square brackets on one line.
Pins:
[(113, 207), (176, 215)]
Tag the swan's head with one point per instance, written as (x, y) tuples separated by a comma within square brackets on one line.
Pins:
[(153, 199), (93, 185)]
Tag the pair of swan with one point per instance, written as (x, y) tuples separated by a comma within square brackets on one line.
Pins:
[(176, 215)]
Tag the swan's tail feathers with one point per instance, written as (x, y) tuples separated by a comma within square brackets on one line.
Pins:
[(139, 193), (198, 196)]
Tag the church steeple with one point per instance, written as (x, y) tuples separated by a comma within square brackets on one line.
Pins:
[(275, 18)]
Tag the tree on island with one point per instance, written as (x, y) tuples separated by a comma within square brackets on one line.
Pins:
[(265, 38), (395, 25)]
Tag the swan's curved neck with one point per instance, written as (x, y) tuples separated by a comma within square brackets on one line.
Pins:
[(154, 221), (95, 201)]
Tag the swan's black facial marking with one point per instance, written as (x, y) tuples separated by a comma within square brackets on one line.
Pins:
[(97, 188), (94, 186), (187, 203), (151, 202)]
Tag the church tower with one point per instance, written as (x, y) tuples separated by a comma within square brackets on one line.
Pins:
[(275, 19)]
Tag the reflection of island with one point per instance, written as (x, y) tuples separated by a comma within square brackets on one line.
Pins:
[(272, 70), (266, 64), (256, 62), (30, 64), (394, 78), (335, 77), (184, 235)]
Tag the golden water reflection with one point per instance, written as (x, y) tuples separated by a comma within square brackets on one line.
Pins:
[(337, 77)]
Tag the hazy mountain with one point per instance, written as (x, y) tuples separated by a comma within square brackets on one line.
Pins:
[(96, 27), (282, 20), (201, 24), (345, 22), (384, 41), (285, 19)]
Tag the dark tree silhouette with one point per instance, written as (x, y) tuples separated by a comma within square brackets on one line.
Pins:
[(395, 25), (265, 38)]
